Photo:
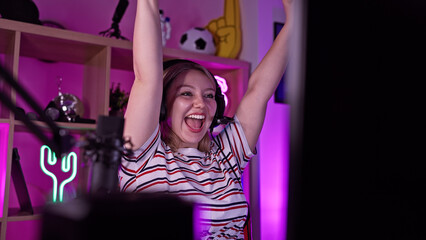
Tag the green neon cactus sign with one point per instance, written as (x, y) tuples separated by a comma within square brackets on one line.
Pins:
[(68, 163)]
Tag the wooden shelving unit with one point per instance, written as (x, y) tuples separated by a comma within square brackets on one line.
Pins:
[(97, 55)]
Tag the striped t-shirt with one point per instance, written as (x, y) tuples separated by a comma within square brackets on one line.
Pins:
[(207, 179)]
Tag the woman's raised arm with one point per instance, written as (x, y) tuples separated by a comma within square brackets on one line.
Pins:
[(263, 82), (143, 109)]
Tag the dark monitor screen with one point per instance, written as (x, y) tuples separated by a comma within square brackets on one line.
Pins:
[(355, 77)]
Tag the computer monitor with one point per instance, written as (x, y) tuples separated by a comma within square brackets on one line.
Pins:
[(355, 78)]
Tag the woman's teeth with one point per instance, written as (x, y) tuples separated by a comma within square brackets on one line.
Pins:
[(200, 117), (195, 121)]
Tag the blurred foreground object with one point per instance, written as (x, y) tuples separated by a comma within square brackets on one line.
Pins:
[(119, 216)]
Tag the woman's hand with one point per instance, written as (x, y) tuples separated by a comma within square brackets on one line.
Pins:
[(288, 9)]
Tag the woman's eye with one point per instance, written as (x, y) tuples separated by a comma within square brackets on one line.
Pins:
[(186, 94), (209, 95)]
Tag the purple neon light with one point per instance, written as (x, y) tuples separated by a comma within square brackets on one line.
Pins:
[(223, 87), (196, 221), (4, 134), (274, 154)]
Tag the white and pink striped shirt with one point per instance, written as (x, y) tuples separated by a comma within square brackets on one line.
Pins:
[(208, 179)]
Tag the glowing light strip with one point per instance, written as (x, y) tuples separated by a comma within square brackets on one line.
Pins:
[(223, 86), (51, 161), (273, 172), (4, 134), (65, 167), (66, 164)]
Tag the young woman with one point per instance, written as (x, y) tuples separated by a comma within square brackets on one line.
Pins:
[(170, 114)]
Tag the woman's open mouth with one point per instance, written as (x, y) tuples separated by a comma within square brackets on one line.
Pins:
[(195, 122)]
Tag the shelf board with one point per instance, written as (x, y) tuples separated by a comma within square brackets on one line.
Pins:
[(4, 120), (15, 214), (122, 58), (57, 44), (72, 127), (52, 49), (208, 61), (75, 47), (56, 33)]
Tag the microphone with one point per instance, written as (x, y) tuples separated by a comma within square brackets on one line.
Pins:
[(219, 121), (106, 148), (225, 120)]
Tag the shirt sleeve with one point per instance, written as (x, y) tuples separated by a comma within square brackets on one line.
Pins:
[(131, 165), (233, 144)]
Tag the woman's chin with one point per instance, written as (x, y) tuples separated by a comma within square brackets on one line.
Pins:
[(192, 140)]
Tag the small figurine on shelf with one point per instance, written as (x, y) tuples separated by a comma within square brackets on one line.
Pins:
[(165, 27), (66, 107), (69, 106), (114, 30), (117, 100)]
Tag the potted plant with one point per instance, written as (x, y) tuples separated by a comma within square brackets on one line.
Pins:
[(117, 100)]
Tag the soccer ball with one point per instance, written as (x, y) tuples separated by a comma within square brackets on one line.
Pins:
[(198, 40)]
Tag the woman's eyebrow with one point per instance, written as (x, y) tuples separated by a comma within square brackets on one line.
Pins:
[(184, 85), (192, 87)]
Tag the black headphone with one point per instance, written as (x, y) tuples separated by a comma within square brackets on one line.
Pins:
[(219, 98)]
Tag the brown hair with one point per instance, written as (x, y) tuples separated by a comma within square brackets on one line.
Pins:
[(169, 74)]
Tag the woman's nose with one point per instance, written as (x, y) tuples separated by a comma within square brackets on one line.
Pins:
[(199, 101)]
